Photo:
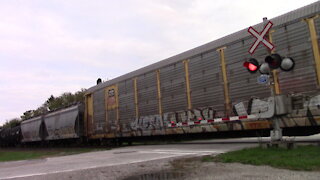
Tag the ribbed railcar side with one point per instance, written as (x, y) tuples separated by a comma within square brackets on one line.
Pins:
[(206, 81), (147, 94), (126, 105), (293, 40), (99, 112), (173, 87)]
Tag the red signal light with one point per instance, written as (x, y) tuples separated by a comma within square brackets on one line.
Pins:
[(252, 65)]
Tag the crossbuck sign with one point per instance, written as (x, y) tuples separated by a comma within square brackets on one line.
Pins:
[(260, 37)]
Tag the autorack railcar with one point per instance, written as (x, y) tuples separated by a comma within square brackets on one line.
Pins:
[(197, 91)]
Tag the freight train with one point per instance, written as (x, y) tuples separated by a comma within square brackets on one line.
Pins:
[(63, 125), (205, 90)]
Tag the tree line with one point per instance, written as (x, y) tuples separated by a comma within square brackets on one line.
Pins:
[(51, 104)]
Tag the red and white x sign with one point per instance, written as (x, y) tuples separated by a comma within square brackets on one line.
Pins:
[(260, 37)]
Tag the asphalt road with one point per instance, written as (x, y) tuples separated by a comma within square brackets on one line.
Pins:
[(119, 156), (128, 157)]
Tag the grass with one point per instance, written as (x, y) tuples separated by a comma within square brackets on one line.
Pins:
[(15, 154), (301, 158)]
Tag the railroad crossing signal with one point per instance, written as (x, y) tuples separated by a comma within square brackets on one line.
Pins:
[(273, 61), (260, 37)]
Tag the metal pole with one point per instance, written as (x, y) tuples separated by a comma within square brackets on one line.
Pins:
[(276, 133)]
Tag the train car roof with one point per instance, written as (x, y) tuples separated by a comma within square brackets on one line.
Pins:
[(290, 17), (49, 113), (63, 110)]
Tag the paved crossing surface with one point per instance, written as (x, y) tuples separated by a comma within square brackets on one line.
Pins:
[(118, 156), (129, 155)]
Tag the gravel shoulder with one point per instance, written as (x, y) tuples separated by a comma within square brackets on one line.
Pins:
[(191, 166)]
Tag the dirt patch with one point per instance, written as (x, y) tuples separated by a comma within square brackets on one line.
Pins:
[(185, 164)]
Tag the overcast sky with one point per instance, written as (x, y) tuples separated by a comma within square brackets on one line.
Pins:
[(55, 46)]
